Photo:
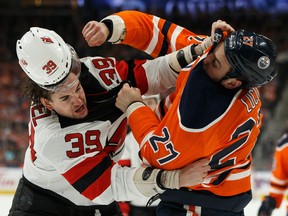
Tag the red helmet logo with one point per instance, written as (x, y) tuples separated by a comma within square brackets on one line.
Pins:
[(47, 40)]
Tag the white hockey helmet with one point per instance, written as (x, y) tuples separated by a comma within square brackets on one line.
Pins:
[(47, 59)]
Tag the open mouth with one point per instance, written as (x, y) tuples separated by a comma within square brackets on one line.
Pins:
[(80, 109)]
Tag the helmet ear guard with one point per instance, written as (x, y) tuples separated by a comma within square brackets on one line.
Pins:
[(252, 57)]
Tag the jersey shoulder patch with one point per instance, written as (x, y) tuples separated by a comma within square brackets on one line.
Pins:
[(104, 70)]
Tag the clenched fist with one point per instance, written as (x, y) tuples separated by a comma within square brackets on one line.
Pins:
[(95, 33)]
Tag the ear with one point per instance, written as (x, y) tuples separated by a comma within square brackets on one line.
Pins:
[(231, 83), (46, 103)]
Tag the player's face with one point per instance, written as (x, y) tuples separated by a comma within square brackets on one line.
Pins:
[(71, 103), (216, 64)]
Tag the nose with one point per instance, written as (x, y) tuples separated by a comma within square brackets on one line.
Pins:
[(77, 99), (208, 59)]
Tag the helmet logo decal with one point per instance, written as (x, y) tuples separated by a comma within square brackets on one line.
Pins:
[(50, 67), (23, 62), (218, 35), (263, 62), (248, 41), (231, 41), (47, 40)]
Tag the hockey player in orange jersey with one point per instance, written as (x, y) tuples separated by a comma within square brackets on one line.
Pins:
[(214, 114), (279, 178)]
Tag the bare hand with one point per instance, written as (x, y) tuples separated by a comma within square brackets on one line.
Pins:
[(194, 173), (221, 25), (126, 96), (200, 48), (95, 33)]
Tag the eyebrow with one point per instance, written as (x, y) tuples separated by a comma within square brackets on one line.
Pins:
[(63, 97)]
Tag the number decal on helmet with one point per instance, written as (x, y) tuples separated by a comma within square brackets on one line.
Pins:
[(50, 67)]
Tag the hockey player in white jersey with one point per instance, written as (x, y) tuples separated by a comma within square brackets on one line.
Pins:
[(76, 133)]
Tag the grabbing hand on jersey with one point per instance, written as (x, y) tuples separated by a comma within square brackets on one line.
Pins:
[(194, 173), (208, 42), (183, 57), (127, 96), (191, 175)]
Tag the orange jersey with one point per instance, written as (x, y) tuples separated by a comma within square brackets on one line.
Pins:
[(204, 121), (200, 120), (279, 179)]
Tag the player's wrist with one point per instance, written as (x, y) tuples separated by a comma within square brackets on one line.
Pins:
[(180, 59), (169, 179), (200, 48), (109, 26), (151, 181), (117, 29), (134, 106)]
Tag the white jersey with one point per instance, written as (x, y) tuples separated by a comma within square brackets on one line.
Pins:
[(131, 158), (77, 159)]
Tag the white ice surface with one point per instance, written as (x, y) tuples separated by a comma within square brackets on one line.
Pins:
[(250, 210)]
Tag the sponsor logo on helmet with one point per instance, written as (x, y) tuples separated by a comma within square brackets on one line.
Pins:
[(231, 41), (248, 41), (47, 40), (23, 62), (263, 62), (217, 37)]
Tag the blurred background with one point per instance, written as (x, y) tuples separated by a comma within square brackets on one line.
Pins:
[(67, 18)]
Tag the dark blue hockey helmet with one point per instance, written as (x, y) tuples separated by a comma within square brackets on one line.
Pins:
[(252, 57)]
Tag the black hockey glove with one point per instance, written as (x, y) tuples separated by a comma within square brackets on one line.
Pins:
[(267, 206)]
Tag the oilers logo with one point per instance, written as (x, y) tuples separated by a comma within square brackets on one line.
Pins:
[(263, 62)]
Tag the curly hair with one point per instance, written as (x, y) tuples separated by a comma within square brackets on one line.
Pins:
[(33, 92)]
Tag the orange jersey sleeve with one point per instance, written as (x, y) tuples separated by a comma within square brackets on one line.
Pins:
[(204, 121), (154, 35), (279, 178)]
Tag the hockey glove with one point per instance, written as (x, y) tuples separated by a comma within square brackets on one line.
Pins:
[(151, 181), (267, 206)]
